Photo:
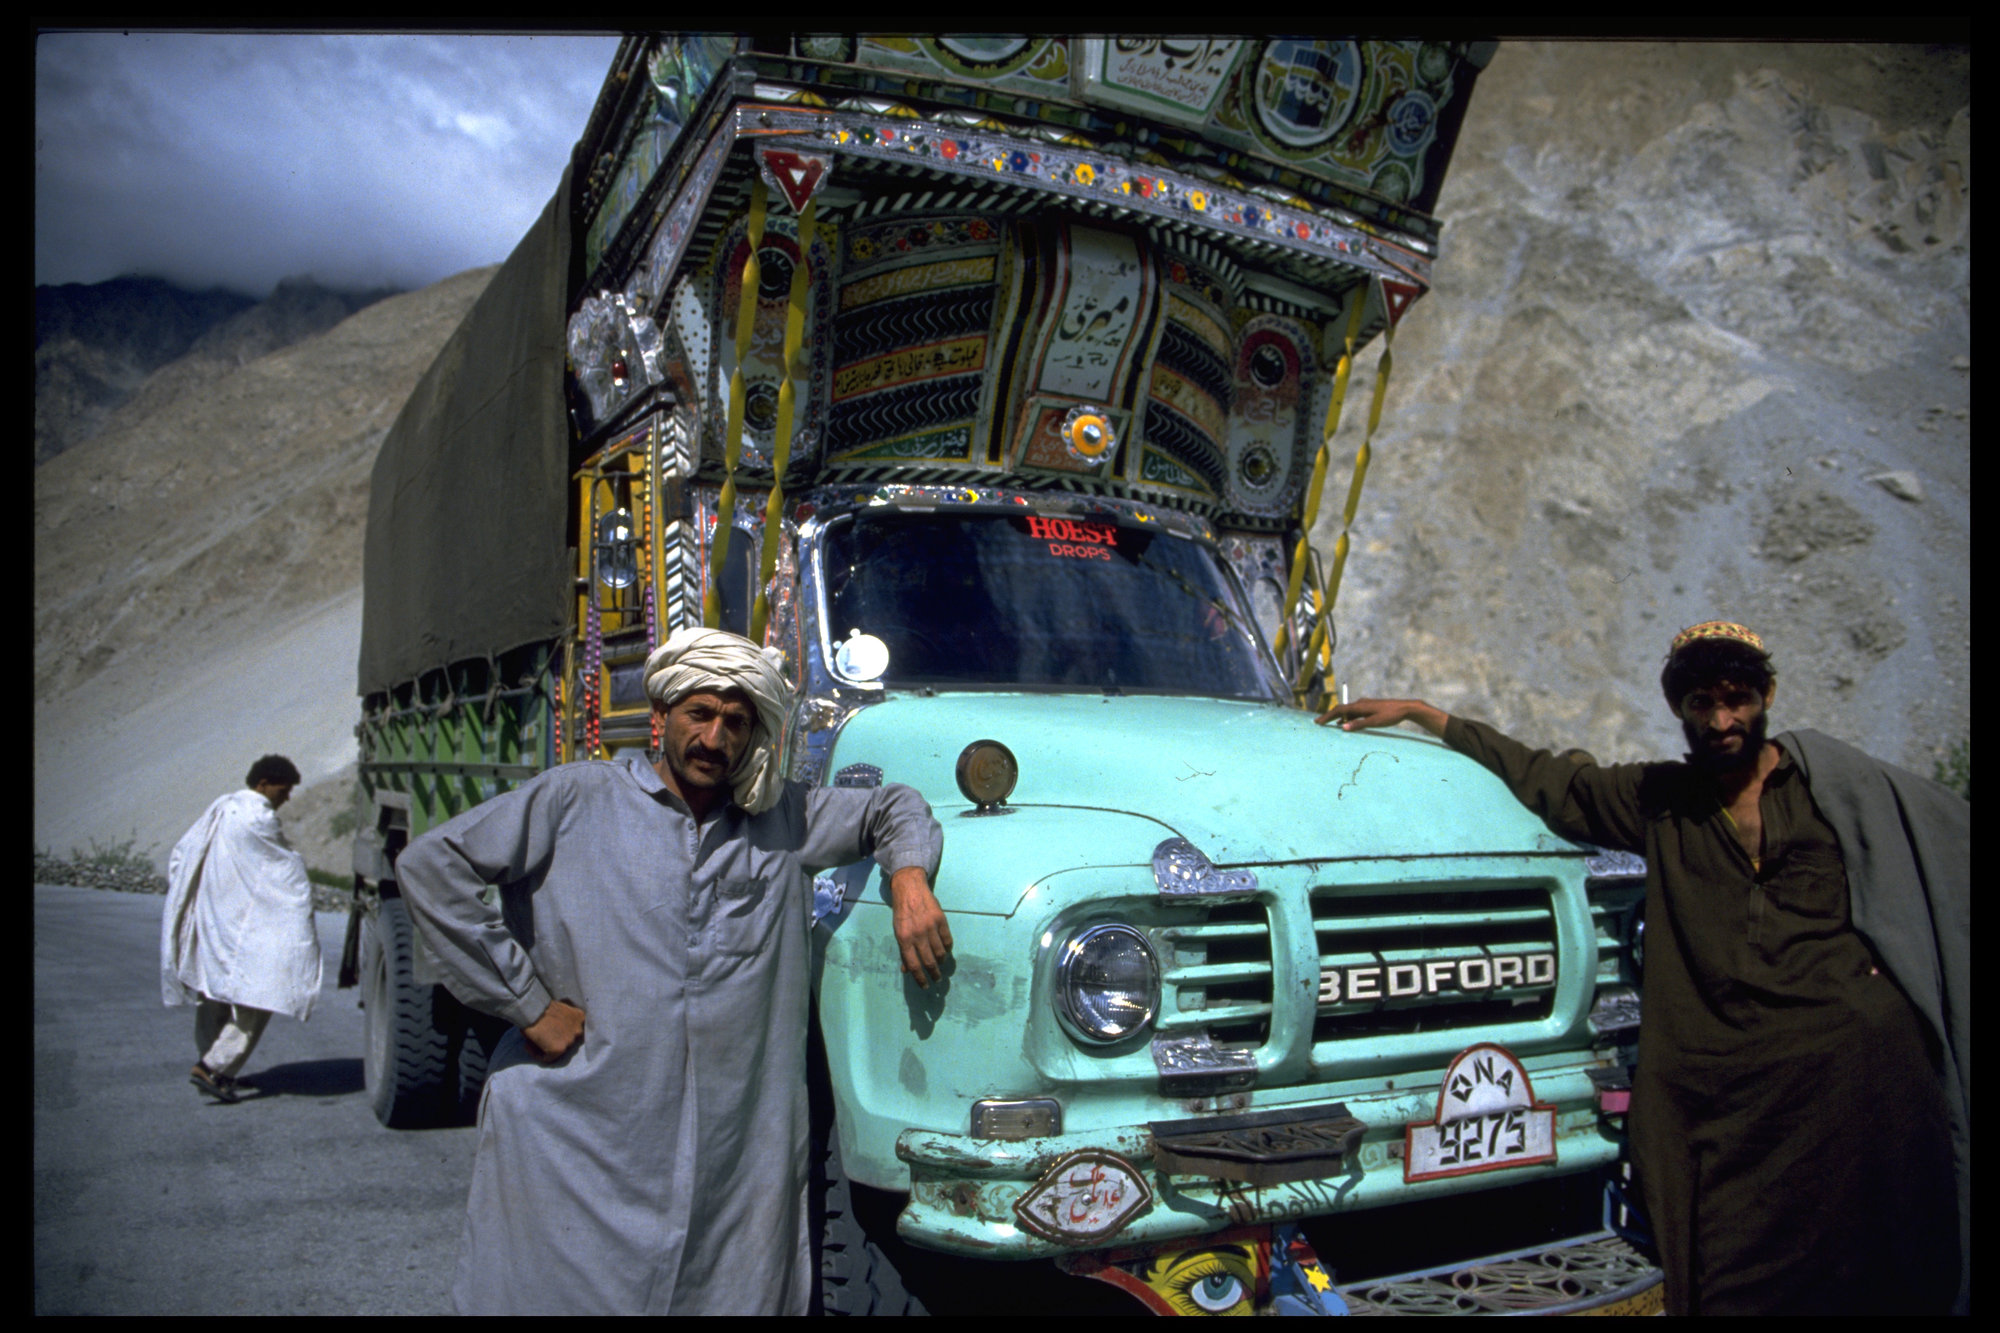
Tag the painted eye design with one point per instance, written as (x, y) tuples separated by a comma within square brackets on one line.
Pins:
[(1216, 1292), (1209, 1281)]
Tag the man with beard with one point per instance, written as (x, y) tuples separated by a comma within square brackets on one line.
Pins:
[(1800, 1107), (643, 1135)]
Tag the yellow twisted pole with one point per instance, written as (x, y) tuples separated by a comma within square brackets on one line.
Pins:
[(1304, 551), (1361, 457), (732, 431), (781, 453)]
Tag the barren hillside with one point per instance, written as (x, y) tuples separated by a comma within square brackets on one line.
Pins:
[(198, 572)]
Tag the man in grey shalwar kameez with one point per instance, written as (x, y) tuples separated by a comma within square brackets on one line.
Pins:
[(643, 1135)]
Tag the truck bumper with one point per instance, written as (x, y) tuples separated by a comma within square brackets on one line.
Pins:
[(963, 1191)]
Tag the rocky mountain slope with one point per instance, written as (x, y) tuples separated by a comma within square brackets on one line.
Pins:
[(1699, 347), (96, 344)]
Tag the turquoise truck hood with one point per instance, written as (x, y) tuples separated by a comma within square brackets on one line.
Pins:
[(1247, 783)]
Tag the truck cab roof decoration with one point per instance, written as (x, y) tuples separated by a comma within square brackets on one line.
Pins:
[(1096, 177)]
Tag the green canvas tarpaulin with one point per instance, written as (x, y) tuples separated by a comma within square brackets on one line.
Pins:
[(467, 509)]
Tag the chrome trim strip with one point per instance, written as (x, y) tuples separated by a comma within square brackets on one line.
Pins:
[(1196, 1067), (1184, 873)]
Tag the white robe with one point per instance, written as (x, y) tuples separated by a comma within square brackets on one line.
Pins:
[(239, 918)]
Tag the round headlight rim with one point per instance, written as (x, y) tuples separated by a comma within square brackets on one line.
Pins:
[(1067, 954)]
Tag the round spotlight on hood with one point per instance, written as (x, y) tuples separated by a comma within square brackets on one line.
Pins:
[(986, 773)]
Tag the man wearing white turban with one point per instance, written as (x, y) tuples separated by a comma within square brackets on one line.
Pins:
[(643, 1134)]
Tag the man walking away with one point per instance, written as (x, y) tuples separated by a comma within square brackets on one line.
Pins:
[(1800, 1109), (237, 940)]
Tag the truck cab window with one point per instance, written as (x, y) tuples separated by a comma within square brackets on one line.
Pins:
[(1006, 600)]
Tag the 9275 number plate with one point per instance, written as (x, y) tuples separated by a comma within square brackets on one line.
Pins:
[(1487, 1120), (1519, 1137)]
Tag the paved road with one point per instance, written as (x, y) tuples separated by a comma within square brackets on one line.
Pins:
[(150, 1199)]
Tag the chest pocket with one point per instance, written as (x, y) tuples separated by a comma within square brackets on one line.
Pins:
[(748, 915), (1810, 882)]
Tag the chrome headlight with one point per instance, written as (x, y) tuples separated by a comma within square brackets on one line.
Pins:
[(1107, 984)]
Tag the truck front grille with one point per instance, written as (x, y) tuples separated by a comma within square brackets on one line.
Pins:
[(1419, 960), (1218, 976)]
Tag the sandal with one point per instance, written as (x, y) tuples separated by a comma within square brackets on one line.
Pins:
[(219, 1086)]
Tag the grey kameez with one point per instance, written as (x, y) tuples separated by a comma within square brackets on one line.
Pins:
[(661, 1166)]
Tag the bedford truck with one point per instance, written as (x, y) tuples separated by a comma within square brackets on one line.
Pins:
[(994, 381)]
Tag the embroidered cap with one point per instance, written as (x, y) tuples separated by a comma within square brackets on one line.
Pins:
[(1717, 629)]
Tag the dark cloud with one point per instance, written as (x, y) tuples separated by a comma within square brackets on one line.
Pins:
[(236, 160)]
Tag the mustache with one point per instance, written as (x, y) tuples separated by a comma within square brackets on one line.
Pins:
[(1706, 747), (696, 750)]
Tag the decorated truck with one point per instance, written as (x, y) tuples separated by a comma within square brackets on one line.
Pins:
[(994, 382)]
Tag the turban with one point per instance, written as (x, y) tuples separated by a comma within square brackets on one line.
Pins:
[(695, 659), (1717, 629)]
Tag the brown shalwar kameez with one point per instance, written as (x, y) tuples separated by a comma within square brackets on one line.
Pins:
[(1788, 1117)]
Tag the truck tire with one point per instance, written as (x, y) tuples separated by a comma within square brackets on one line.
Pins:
[(407, 1062), (478, 1034), (855, 1277)]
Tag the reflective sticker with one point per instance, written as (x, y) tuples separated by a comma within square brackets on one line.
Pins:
[(1086, 1197), (1396, 297), (1487, 1120), (1088, 433), (796, 175)]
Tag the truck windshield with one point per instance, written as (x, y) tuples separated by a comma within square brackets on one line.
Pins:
[(998, 600)]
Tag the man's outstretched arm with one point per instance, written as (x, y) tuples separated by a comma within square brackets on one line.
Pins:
[(1574, 797), (894, 824), (1365, 713)]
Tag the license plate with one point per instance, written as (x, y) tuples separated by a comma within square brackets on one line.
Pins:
[(1520, 1137), (1487, 1120)]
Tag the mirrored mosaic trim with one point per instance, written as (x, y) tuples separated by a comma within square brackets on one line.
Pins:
[(678, 71), (670, 242), (614, 351)]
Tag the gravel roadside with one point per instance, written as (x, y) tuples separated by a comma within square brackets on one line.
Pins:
[(133, 877)]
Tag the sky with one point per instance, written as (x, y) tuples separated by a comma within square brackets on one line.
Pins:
[(236, 160)]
